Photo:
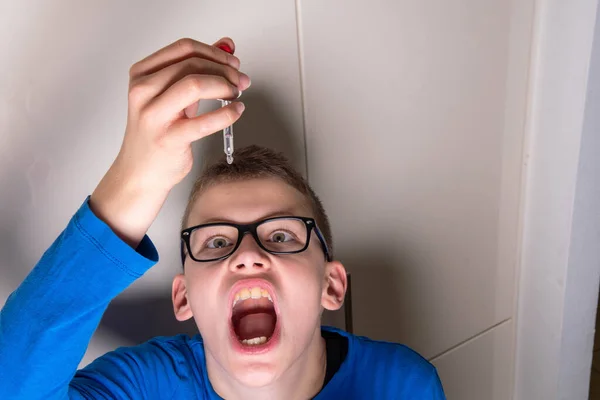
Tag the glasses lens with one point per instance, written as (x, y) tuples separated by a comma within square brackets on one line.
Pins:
[(283, 235), (212, 242)]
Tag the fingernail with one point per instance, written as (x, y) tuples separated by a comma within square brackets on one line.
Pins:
[(239, 106), (244, 81), (236, 91), (225, 47)]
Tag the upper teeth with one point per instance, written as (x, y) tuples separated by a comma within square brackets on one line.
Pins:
[(255, 293)]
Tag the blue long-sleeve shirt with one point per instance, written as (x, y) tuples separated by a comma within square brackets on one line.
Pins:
[(48, 321)]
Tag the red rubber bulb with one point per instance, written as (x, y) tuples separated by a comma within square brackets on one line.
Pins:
[(226, 48)]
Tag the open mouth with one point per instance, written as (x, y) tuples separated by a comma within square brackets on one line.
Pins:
[(253, 316)]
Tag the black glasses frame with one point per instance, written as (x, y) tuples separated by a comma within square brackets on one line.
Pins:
[(252, 229)]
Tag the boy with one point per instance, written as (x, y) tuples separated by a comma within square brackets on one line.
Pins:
[(258, 269)]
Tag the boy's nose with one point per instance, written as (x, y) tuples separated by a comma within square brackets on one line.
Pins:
[(249, 255)]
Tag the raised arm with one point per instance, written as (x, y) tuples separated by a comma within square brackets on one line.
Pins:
[(47, 322)]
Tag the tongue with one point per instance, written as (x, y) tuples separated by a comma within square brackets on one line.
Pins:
[(256, 325)]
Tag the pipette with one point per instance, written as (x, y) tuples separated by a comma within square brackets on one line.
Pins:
[(228, 131), (228, 137)]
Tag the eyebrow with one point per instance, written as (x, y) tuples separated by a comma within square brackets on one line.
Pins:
[(282, 213)]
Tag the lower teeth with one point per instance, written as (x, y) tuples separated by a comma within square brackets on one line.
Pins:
[(254, 341)]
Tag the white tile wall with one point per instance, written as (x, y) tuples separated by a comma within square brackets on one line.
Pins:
[(414, 119), (480, 369)]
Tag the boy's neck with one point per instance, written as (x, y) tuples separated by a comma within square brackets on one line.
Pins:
[(302, 380)]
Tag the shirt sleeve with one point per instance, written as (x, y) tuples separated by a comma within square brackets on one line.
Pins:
[(47, 322), (435, 390), (145, 371)]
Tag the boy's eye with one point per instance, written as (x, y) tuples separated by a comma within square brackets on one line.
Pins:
[(280, 237), (217, 243)]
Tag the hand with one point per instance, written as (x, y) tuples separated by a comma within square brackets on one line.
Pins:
[(156, 153)]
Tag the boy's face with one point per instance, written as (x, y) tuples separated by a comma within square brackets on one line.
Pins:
[(300, 286)]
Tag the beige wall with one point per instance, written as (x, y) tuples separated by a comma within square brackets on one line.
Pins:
[(407, 117), (414, 126)]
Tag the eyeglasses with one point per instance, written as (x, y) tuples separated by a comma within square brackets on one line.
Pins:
[(278, 235)]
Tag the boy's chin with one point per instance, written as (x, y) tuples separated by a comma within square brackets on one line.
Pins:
[(255, 375)]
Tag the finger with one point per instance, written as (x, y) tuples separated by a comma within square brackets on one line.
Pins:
[(180, 50), (192, 110), (226, 41), (193, 129), (160, 81), (189, 90)]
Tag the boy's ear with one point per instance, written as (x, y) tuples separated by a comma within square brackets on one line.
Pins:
[(335, 287), (181, 305)]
